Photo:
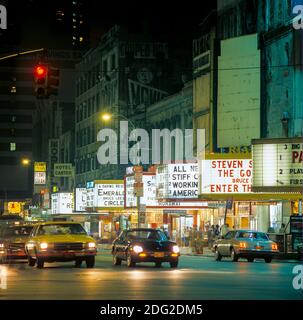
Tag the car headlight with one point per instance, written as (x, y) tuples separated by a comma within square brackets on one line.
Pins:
[(176, 249), (137, 249), (1, 245), (91, 245), (43, 245)]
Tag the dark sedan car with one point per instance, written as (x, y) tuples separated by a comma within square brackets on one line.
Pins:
[(144, 245), (12, 242)]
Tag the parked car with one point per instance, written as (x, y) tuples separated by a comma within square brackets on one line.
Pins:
[(12, 242), (145, 245), (245, 244), (60, 241)]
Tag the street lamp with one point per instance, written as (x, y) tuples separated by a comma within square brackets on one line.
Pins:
[(25, 161), (106, 117)]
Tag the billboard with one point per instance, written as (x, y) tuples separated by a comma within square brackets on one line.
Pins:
[(149, 191), (62, 203), (278, 165), (224, 176), (39, 178), (40, 166), (177, 181), (14, 207), (239, 91), (109, 194), (81, 199)]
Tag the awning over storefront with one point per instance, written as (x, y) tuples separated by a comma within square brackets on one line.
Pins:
[(252, 197)]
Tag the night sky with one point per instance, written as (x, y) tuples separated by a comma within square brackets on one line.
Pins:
[(31, 23)]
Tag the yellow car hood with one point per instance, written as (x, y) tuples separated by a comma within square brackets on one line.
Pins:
[(64, 238)]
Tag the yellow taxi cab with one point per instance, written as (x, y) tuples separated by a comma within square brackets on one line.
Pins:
[(59, 241)]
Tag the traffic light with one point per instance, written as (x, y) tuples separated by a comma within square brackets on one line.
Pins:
[(40, 81), (46, 81), (53, 80)]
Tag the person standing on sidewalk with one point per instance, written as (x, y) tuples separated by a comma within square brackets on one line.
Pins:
[(187, 234), (224, 229), (210, 236)]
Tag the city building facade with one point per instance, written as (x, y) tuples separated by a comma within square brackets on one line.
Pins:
[(123, 76)]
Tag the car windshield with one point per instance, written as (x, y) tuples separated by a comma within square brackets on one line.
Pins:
[(146, 235), (17, 231), (58, 229), (253, 235)]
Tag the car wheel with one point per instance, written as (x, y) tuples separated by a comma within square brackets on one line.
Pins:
[(158, 264), (218, 255), (130, 262), (268, 259), (250, 259), (174, 264), (234, 256), (40, 263), (90, 262), (116, 261), (31, 262), (78, 263)]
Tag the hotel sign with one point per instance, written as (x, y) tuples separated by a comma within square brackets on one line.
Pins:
[(278, 166)]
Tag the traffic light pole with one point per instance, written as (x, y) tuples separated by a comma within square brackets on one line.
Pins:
[(14, 55)]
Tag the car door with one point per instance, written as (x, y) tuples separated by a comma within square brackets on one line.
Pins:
[(225, 244)]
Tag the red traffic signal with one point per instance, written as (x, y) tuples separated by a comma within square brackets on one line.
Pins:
[(40, 71)]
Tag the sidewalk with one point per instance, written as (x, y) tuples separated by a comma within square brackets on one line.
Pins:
[(186, 251)]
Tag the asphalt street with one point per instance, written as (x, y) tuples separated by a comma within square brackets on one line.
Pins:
[(196, 278)]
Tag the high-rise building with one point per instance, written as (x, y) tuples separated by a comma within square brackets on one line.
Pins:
[(17, 103)]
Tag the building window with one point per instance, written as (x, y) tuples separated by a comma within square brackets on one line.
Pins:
[(12, 146), (113, 61), (89, 105), (97, 102), (104, 67)]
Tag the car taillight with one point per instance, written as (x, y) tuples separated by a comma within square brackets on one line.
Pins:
[(242, 245), (274, 246)]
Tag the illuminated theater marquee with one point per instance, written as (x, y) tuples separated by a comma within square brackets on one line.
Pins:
[(278, 165), (226, 176)]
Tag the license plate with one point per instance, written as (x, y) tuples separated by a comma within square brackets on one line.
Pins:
[(259, 247), (70, 253), (159, 254)]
